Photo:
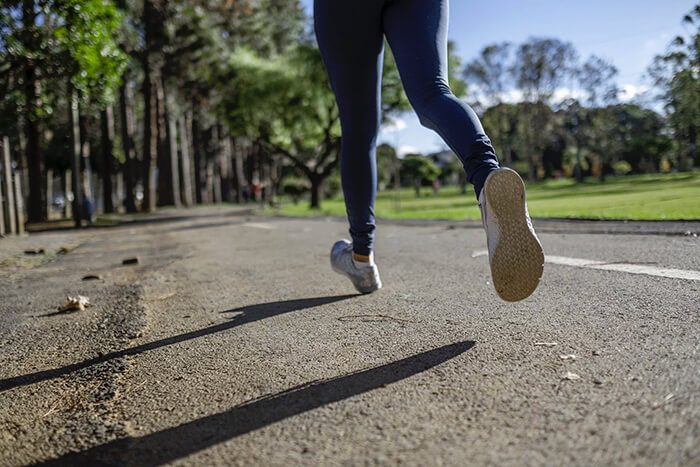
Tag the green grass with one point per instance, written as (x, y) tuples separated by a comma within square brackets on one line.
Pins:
[(638, 197)]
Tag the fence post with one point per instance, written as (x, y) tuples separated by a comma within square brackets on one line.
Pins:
[(9, 192)]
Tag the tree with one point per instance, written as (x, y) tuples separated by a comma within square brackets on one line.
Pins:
[(490, 72), (419, 170), (677, 75), (287, 106), (540, 68), (57, 41), (596, 77), (387, 166), (492, 78)]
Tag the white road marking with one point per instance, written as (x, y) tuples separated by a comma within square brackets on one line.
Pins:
[(479, 253), (643, 269), (259, 225)]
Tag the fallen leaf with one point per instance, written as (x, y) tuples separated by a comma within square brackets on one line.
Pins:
[(78, 303), (569, 376), (34, 251), (568, 357), (545, 344)]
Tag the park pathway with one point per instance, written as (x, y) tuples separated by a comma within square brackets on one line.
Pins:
[(231, 342)]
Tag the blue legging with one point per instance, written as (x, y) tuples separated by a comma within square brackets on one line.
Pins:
[(350, 36)]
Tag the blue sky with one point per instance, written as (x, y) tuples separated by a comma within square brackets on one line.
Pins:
[(626, 32)]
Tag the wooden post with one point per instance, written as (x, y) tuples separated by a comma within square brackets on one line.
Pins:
[(20, 203), (9, 192)]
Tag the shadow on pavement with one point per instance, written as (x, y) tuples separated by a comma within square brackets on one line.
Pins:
[(174, 443), (248, 314)]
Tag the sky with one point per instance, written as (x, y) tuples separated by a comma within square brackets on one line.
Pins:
[(628, 33)]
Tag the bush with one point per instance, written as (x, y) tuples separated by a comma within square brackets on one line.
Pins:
[(622, 168)]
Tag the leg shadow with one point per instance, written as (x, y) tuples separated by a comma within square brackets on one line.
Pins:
[(248, 314), (174, 443)]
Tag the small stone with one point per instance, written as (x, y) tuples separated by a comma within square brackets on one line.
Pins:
[(597, 381), (128, 261), (569, 376), (34, 251), (567, 357), (596, 353), (545, 344)]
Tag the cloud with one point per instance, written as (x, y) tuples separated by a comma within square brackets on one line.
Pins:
[(395, 126), (632, 91), (406, 149)]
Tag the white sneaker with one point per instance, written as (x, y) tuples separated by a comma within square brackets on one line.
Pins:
[(365, 277), (515, 252)]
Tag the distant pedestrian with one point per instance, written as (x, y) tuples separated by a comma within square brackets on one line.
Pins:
[(351, 36)]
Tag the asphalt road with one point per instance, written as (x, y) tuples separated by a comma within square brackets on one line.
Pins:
[(232, 342)]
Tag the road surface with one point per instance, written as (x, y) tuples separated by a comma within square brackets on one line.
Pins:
[(232, 342)]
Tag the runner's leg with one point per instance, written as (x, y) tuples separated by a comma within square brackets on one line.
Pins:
[(350, 38)]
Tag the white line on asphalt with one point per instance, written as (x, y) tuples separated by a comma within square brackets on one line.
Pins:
[(689, 275), (259, 225)]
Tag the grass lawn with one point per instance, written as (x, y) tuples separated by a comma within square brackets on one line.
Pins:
[(636, 197)]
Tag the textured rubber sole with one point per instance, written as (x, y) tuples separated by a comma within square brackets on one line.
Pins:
[(518, 260)]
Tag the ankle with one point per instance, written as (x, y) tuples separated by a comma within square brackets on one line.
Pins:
[(360, 258), (363, 261)]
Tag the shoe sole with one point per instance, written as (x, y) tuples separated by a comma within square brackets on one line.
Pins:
[(518, 259)]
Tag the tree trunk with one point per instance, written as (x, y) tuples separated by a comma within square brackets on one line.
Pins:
[(49, 193), (578, 171), (74, 119), (150, 142), (152, 20), (88, 187), (172, 145), (197, 152), (316, 184), (214, 164), (66, 185), (186, 170), (6, 163), (693, 154), (127, 130), (238, 168), (107, 129), (225, 167), (31, 124), (165, 172)]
